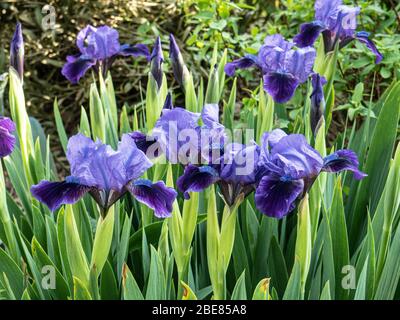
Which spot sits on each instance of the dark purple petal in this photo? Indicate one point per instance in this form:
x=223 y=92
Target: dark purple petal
x=296 y=157
x=343 y=160
x=156 y=196
x=242 y=63
x=196 y=179
x=55 y=194
x=17 y=51
x=76 y=67
x=309 y=33
x=275 y=197
x=157 y=59
x=181 y=72
x=364 y=38
x=85 y=40
x=7 y=139
x=281 y=86
x=317 y=100
x=147 y=144
x=300 y=63
x=138 y=50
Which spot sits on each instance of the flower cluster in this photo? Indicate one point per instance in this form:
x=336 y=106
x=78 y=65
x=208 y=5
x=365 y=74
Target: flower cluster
x=283 y=68
x=279 y=171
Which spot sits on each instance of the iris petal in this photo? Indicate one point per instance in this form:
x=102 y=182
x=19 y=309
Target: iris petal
x=196 y=179
x=76 y=67
x=242 y=63
x=138 y=50
x=281 y=86
x=275 y=197
x=343 y=160
x=147 y=144
x=157 y=196
x=55 y=194
x=309 y=33
x=298 y=158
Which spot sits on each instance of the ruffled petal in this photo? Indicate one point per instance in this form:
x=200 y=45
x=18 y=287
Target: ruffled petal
x=300 y=63
x=55 y=194
x=309 y=33
x=106 y=41
x=281 y=86
x=196 y=179
x=85 y=41
x=76 y=67
x=239 y=164
x=242 y=63
x=363 y=37
x=156 y=196
x=276 y=197
x=298 y=159
x=343 y=160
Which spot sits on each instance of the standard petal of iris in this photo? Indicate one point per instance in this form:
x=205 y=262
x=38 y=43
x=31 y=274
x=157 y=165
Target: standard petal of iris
x=76 y=67
x=106 y=42
x=196 y=179
x=309 y=33
x=275 y=197
x=55 y=194
x=364 y=38
x=300 y=63
x=281 y=86
x=298 y=158
x=157 y=196
x=343 y=160
x=242 y=63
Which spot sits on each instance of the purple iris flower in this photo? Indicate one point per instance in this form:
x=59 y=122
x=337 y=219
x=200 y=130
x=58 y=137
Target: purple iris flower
x=107 y=175
x=183 y=140
x=337 y=23
x=7 y=139
x=98 y=48
x=288 y=167
x=282 y=67
x=234 y=172
x=17 y=51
